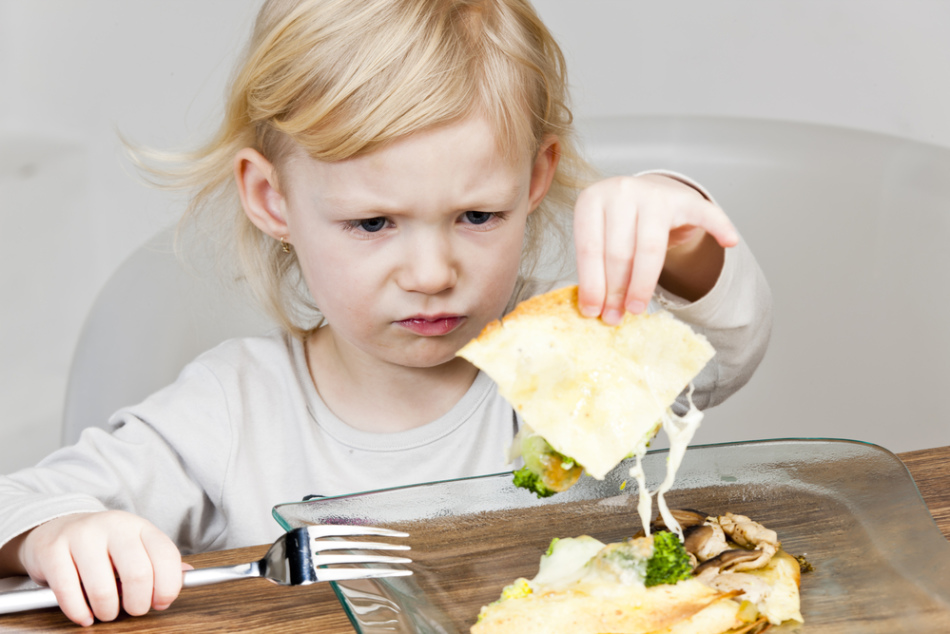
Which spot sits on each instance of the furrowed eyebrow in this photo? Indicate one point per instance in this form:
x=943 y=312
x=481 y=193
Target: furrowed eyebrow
x=491 y=198
x=353 y=208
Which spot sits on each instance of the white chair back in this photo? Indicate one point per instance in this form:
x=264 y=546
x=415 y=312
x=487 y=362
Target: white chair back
x=153 y=316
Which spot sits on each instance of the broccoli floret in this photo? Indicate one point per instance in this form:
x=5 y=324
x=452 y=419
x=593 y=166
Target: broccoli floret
x=669 y=562
x=528 y=479
x=546 y=470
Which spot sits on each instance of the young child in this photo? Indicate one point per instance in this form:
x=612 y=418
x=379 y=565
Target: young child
x=396 y=163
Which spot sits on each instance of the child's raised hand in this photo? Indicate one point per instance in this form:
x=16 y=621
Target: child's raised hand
x=98 y=554
x=629 y=230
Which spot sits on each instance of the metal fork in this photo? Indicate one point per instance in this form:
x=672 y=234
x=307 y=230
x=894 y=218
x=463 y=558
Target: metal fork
x=293 y=560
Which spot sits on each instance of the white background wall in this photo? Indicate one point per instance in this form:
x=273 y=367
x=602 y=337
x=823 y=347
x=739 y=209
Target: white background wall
x=73 y=73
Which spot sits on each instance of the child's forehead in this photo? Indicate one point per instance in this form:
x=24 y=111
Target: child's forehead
x=460 y=161
x=463 y=135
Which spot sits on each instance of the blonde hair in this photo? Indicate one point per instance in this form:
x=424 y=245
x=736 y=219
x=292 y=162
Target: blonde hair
x=341 y=78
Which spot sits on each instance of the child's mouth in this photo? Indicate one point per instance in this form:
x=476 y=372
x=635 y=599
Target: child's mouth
x=432 y=326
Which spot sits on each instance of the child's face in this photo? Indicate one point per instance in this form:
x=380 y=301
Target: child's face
x=411 y=250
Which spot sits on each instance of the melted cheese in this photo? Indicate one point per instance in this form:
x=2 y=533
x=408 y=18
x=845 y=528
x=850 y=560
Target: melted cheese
x=644 y=503
x=680 y=430
x=565 y=565
x=783 y=576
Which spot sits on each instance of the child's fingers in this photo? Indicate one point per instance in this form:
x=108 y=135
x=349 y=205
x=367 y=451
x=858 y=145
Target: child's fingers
x=98 y=578
x=589 y=250
x=62 y=577
x=620 y=239
x=648 y=258
x=134 y=570
x=624 y=228
x=719 y=226
x=711 y=219
x=166 y=565
x=95 y=561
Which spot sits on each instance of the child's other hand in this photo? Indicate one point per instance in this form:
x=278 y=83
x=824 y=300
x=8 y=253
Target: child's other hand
x=99 y=554
x=630 y=232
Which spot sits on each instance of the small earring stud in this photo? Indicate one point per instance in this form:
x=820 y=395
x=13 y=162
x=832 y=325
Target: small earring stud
x=284 y=246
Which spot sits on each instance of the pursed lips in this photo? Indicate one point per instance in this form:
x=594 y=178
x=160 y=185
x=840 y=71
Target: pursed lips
x=432 y=325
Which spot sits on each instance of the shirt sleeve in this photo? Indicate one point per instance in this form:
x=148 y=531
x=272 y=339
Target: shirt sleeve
x=136 y=468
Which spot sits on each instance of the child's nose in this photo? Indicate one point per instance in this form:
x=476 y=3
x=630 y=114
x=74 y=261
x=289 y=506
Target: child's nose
x=429 y=266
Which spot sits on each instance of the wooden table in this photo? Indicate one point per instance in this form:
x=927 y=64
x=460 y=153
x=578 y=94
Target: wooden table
x=261 y=606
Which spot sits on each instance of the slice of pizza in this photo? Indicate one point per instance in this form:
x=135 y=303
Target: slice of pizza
x=731 y=577
x=593 y=393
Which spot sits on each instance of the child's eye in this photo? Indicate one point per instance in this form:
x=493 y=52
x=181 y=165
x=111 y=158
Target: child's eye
x=371 y=225
x=478 y=217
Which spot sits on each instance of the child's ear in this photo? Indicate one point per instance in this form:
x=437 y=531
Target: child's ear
x=543 y=170
x=263 y=203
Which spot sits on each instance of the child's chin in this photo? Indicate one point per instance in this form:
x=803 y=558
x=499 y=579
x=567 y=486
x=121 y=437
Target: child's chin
x=437 y=357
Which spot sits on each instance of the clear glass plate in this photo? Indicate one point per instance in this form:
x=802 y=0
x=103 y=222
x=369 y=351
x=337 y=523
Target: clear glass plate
x=881 y=563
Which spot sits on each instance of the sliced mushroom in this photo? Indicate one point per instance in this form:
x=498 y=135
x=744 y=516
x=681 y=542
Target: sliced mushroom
x=695 y=537
x=747 y=533
x=729 y=560
x=684 y=517
x=705 y=541
x=765 y=556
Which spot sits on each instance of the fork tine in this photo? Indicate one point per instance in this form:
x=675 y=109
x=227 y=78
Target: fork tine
x=343 y=530
x=318 y=546
x=329 y=560
x=316 y=569
x=343 y=574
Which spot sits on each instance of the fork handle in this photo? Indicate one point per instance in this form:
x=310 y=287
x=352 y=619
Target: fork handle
x=220 y=574
x=42 y=597
x=29 y=599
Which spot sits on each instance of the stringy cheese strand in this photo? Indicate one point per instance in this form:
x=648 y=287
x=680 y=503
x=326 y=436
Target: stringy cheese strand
x=680 y=430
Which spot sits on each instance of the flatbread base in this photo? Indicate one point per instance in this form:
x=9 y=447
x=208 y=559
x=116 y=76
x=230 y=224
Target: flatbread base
x=587 y=609
x=595 y=392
